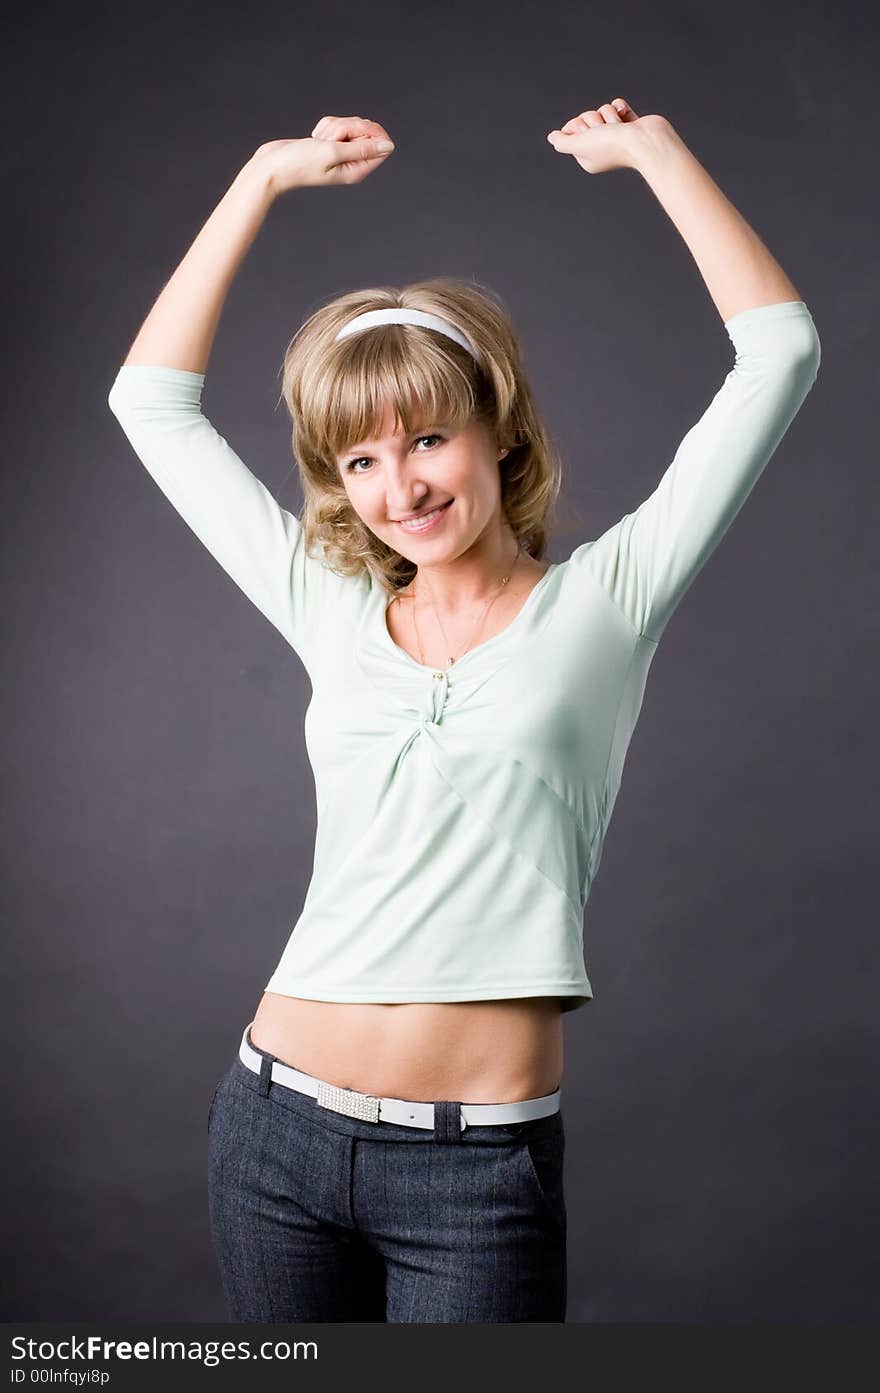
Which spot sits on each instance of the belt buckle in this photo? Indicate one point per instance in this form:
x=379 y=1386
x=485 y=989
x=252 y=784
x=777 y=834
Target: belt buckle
x=348 y=1101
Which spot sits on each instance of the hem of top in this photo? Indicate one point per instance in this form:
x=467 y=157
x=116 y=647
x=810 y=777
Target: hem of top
x=159 y=368
x=781 y=309
x=304 y=993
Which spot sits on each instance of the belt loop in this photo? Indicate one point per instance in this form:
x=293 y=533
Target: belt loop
x=266 y=1062
x=447 y=1121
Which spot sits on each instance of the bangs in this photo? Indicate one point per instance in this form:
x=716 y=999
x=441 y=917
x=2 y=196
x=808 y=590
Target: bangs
x=408 y=380
x=372 y=373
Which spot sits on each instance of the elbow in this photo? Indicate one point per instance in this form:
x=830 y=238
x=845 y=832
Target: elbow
x=162 y=395
x=815 y=355
x=809 y=357
x=797 y=361
x=117 y=396
x=805 y=347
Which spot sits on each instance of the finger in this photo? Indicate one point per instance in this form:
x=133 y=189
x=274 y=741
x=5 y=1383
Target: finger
x=580 y=123
x=347 y=128
x=371 y=127
x=610 y=115
x=367 y=147
x=624 y=109
x=335 y=127
x=350 y=127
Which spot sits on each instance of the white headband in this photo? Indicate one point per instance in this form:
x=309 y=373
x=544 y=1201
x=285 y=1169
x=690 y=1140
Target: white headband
x=402 y=316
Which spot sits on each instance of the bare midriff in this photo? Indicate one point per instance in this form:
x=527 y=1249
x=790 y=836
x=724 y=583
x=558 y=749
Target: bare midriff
x=465 y=1051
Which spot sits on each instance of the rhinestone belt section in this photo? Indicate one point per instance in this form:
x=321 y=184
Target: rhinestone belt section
x=348 y=1101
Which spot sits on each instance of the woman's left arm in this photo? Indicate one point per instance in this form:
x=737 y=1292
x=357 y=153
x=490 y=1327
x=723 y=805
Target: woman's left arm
x=739 y=271
x=648 y=559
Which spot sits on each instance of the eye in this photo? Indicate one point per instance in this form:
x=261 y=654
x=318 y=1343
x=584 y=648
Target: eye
x=364 y=459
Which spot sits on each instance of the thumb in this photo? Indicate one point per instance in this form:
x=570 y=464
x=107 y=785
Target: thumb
x=368 y=147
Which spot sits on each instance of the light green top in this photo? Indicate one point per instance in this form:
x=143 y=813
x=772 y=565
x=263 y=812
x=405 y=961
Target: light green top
x=461 y=813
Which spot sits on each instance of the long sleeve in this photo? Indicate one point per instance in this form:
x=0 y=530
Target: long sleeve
x=256 y=541
x=648 y=559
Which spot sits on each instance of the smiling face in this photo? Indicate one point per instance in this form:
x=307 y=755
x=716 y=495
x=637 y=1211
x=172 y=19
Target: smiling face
x=396 y=475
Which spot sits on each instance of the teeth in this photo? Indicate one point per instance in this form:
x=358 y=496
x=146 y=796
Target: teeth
x=416 y=523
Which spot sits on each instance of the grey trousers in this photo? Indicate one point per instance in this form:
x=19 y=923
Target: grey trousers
x=317 y=1216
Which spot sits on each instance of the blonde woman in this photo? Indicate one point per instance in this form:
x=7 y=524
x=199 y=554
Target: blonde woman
x=387 y=1142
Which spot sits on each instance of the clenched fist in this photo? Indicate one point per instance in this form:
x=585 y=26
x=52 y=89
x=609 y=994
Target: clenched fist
x=604 y=139
x=340 y=150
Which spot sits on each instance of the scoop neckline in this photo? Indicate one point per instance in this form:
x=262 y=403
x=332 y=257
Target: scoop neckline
x=478 y=648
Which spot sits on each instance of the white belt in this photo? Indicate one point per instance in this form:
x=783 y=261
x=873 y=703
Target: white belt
x=369 y=1108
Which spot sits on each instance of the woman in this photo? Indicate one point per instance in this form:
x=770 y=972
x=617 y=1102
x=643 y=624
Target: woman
x=387 y=1143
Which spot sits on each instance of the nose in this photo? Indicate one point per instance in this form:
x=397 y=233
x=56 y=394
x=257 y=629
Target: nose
x=403 y=493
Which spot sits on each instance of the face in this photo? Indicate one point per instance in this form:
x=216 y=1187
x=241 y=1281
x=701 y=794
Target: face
x=390 y=478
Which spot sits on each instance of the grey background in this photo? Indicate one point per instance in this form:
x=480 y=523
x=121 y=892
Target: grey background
x=720 y=1090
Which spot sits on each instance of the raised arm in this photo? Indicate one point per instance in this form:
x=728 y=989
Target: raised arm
x=648 y=559
x=156 y=396
x=739 y=271
x=180 y=328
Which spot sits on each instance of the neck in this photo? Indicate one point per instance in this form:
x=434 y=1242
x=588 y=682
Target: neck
x=458 y=586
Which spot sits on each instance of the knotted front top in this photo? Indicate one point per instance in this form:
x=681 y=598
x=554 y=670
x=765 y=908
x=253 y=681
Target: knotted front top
x=461 y=813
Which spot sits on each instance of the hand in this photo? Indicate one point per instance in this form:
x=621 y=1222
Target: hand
x=340 y=150
x=604 y=139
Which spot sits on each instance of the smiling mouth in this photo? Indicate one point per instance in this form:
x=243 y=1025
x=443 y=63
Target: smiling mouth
x=424 y=520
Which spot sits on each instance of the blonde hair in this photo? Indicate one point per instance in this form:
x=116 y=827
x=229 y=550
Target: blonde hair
x=336 y=394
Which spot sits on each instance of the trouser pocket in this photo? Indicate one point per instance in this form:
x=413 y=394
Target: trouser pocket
x=542 y=1161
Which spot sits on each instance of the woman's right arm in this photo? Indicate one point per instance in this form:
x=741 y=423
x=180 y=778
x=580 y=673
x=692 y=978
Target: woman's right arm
x=156 y=396
x=180 y=328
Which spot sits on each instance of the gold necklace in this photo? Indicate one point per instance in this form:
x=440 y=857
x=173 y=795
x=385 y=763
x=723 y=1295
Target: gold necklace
x=489 y=603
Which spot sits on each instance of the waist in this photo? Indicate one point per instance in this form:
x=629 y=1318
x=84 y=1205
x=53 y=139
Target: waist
x=473 y=1051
